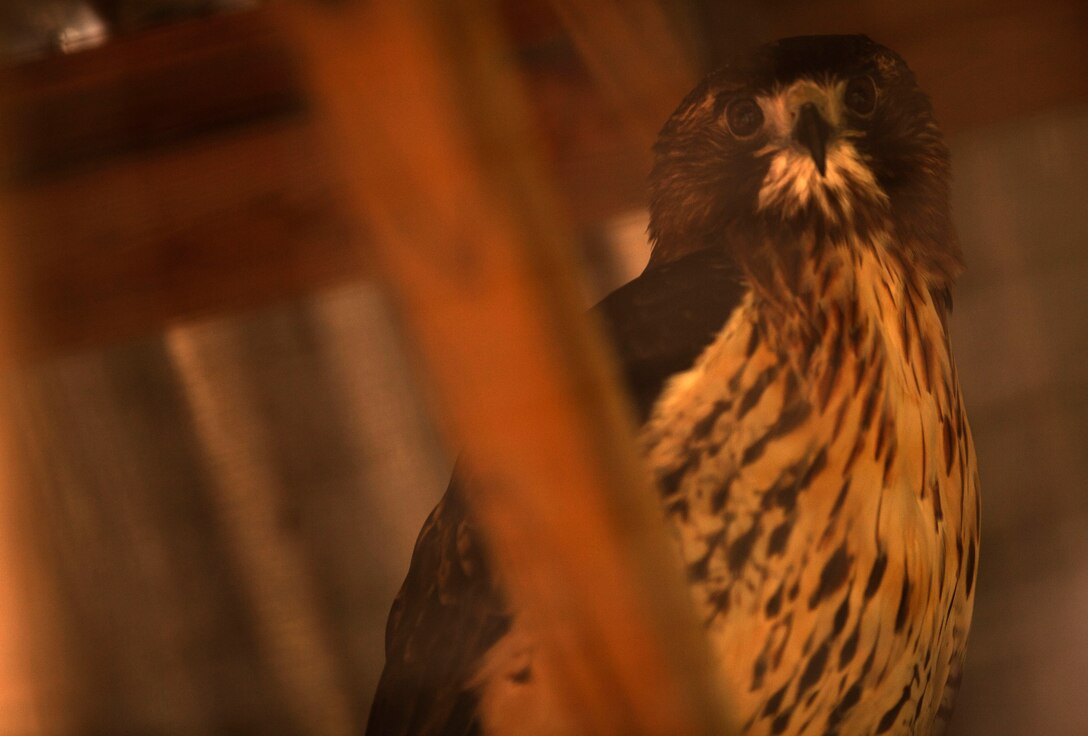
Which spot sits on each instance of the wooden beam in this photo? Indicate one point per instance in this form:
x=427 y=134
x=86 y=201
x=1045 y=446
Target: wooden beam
x=429 y=123
x=639 y=61
x=129 y=248
x=642 y=63
x=34 y=676
x=164 y=177
x=161 y=87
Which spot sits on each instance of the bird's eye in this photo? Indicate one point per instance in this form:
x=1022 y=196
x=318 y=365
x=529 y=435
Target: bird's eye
x=744 y=117
x=860 y=95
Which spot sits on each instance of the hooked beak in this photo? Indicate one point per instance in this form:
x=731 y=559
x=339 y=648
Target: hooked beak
x=812 y=132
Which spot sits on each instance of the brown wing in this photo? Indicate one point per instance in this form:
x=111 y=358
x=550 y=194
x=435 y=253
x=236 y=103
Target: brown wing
x=447 y=614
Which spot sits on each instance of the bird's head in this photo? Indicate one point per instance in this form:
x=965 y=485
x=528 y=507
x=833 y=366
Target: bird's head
x=812 y=139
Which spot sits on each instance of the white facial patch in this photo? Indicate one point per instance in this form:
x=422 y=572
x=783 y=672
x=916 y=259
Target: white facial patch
x=792 y=181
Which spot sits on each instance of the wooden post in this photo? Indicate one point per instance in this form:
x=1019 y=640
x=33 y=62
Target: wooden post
x=33 y=677
x=429 y=125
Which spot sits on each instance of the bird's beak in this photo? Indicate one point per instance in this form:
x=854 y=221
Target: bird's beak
x=812 y=132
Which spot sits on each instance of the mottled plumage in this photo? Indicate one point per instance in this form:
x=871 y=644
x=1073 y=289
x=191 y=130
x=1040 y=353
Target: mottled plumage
x=788 y=352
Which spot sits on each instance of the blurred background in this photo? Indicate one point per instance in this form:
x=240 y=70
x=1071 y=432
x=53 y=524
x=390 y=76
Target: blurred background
x=219 y=429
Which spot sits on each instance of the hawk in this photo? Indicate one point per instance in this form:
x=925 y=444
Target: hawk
x=788 y=354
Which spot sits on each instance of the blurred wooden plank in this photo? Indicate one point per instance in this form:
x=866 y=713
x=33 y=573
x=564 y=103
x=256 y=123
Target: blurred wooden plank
x=643 y=64
x=34 y=677
x=249 y=503
x=129 y=248
x=161 y=87
x=164 y=176
x=638 y=65
x=429 y=123
x=586 y=144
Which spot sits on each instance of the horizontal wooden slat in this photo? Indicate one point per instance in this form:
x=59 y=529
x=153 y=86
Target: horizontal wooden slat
x=131 y=247
x=164 y=176
x=160 y=87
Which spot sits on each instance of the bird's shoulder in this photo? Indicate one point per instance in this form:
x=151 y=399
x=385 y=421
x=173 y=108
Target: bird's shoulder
x=660 y=322
x=448 y=613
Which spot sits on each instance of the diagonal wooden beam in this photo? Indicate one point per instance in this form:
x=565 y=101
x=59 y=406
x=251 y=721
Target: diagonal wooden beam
x=639 y=56
x=429 y=125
